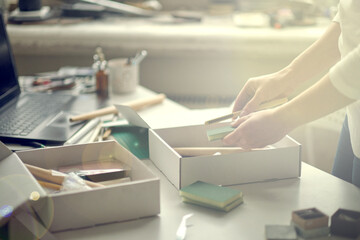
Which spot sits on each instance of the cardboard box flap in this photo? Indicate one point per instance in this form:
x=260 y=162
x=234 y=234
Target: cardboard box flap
x=4 y=151
x=131 y=116
x=17 y=185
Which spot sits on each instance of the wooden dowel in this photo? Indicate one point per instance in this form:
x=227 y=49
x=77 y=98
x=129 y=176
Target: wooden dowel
x=94 y=114
x=49 y=185
x=202 y=151
x=144 y=102
x=106 y=133
x=48 y=175
x=45 y=174
x=136 y=105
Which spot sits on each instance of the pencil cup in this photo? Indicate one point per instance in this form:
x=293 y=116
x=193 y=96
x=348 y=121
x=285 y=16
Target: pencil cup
x=124 y=76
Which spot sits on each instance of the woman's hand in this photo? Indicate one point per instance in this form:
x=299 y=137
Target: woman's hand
x=257 y=130
x=263 y=89
x=262 y=128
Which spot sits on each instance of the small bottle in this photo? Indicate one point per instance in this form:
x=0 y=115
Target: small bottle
x=101 y=75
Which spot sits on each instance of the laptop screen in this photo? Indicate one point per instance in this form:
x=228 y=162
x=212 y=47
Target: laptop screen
x=9 y=85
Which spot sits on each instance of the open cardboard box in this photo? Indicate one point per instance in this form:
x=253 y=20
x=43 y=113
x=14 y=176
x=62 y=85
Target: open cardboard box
x=20 y=191
x=280 y=161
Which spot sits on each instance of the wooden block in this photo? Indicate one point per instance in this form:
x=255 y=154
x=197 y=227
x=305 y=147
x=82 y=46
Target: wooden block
x=311 y=233
x=345 y=223
x=310 y=218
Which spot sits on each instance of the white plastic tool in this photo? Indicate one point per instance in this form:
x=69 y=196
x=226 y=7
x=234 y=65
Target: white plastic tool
x=181 y=231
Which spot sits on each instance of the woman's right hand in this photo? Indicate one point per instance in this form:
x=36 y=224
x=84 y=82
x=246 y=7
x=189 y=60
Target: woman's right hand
x=262 y=89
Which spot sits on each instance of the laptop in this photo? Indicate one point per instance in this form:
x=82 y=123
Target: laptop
x=32 y=117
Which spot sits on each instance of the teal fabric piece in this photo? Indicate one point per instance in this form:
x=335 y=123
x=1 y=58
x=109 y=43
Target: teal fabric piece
x=133 y=138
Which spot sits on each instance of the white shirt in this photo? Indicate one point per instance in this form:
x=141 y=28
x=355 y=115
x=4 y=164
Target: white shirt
x=345 y=75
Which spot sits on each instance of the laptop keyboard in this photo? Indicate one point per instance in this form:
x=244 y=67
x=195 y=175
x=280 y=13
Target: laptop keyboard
x=25 y=118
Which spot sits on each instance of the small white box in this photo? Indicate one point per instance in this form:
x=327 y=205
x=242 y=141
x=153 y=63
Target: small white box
x=76 y=209
x=280 y=162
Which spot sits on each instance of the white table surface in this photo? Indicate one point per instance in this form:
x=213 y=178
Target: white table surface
x=264 y=202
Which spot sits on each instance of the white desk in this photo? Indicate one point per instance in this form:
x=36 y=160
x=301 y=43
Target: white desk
x=265 y=203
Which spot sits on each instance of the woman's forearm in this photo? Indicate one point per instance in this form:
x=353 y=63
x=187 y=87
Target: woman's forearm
x=317 y=101
x=318 y=58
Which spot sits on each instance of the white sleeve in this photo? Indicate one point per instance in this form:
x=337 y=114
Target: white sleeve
x=345 y=75
x=337 y=16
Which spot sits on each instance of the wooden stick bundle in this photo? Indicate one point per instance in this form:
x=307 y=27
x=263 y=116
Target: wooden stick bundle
x=54 y=176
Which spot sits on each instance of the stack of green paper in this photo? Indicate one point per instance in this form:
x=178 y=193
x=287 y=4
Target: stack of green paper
x=211 y=196
x=219 y=133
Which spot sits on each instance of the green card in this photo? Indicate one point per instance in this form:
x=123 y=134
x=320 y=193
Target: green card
x=210 y=194
x=219 y=133
x=133 y=138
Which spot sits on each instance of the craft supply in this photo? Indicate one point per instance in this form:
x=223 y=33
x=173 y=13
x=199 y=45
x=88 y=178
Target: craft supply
x=95 y=134
x=49 y=185
x=311 y=233
x=83 y=131
x=181 y=231
x=210 y=194
x=280 y=232
x=263 y=106
x=101 y=75
x=145 y=102
x=104 y=172
x=123 y=75
x=219 y=133
x=138 y=58
x=116 y=181
x=99 y=175
x=106 y=134
x=227 y=208
x=345 y=223
x=53 y=176
x=102 y=84
x=73 y=182
x=94 y=165
x=310 y=218
x=133 y=138
x=136 y=105
x=203 y=151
